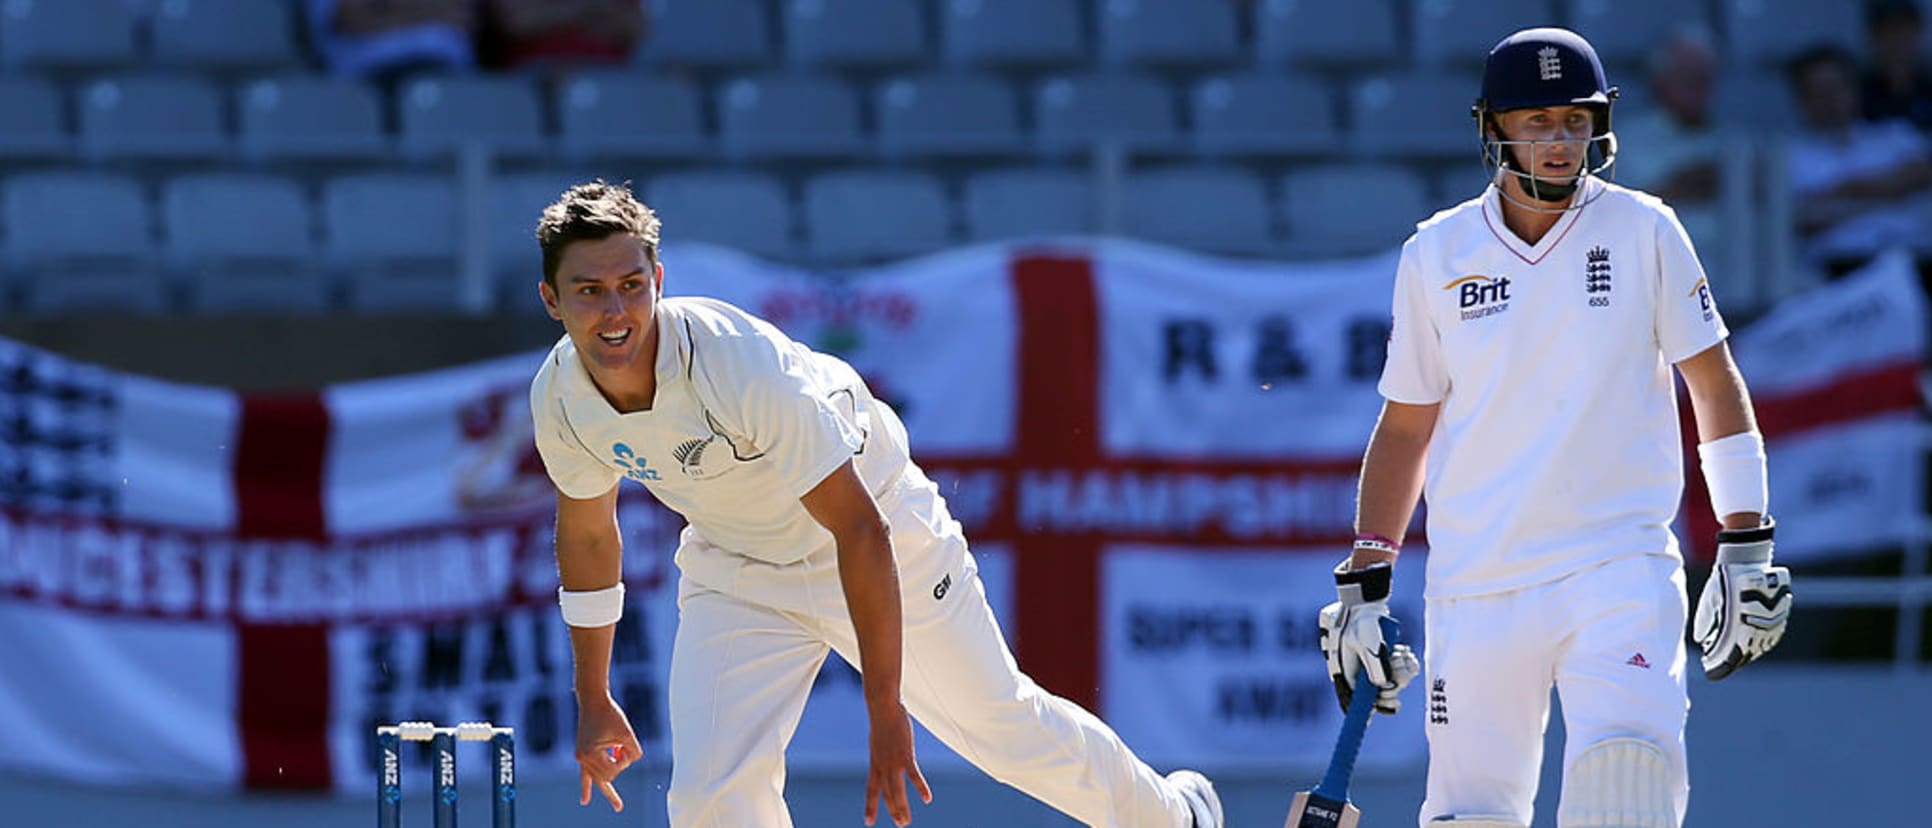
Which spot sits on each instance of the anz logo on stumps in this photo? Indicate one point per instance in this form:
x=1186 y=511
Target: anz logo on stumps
x=1478 y=296
x=635 y=467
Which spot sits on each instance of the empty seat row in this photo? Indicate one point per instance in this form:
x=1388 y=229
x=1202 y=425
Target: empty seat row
x=1052 y=33
x=773 y=116
x=778 y=116
x=230 y=34
x=375 y=241
x=216 y=35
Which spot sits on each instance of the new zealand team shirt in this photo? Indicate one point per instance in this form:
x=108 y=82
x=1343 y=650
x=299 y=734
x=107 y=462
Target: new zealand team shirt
x=744 y=423
x=1557 y=444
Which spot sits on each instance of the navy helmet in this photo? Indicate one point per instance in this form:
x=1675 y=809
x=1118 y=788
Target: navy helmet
x=1542 y=67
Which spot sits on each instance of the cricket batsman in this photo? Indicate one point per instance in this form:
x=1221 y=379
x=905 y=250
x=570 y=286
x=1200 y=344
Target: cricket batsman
x=1529 y=397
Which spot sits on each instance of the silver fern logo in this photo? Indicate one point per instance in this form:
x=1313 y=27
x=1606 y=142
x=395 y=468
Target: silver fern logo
x=690 y=455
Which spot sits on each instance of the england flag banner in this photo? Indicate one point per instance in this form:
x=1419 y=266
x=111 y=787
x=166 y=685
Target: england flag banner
x=1153 y=454
x=1834 y=376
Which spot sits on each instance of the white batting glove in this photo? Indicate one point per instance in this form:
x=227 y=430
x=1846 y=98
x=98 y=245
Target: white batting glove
x=1352 y=640
x=1742 y=611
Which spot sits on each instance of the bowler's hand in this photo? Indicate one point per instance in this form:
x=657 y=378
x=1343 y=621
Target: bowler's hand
x=892 y=761
x=605 y=747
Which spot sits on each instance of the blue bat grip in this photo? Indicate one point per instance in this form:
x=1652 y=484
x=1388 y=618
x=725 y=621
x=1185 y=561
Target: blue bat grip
x=1341 y=766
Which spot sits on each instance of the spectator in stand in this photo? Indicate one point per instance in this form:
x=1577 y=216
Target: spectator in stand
x=562 y=34
x=1897 y=85
x=1858 y=187
x=387 y=40
x=1674 y=149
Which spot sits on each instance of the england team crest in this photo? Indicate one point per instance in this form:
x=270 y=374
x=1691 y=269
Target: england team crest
x=1596 y=276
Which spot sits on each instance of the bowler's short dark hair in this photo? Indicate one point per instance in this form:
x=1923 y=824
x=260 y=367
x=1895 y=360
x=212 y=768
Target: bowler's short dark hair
x=591 y=212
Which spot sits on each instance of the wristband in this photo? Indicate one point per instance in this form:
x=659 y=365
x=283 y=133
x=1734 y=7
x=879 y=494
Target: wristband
x=592 y=608
x=1734 y=472
x=1377 y=543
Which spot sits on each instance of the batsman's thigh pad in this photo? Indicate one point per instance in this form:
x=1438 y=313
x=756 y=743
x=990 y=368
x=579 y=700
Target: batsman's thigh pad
x=1619 y=783
x=1622 y=675
x=1475 y=822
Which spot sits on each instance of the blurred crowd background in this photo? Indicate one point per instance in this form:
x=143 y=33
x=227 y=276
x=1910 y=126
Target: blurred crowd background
x=283 y=193
x=208 y=156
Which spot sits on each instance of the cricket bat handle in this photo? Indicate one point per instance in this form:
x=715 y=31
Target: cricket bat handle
x=1341 y=766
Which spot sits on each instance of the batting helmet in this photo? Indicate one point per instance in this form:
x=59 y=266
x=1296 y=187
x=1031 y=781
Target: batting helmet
x=1537 y=68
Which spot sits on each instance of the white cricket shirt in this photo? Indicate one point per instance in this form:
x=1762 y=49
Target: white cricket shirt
x=1558 y=445
x=744 y=423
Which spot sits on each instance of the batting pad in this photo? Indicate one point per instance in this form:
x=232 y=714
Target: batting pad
x=1618 y=783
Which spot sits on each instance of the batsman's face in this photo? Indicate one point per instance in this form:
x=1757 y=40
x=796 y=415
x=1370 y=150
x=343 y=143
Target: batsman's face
x=1561 y=135
x=606 y=297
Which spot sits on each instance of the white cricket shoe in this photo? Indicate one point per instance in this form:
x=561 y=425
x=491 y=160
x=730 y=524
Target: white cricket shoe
x=1201 y=799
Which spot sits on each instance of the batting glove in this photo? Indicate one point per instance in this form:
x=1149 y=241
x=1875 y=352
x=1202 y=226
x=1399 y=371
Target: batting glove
x=1742 y=611
x=1352 y=642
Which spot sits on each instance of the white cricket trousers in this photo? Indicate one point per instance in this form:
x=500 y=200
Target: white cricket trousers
x=752 y=635
x=1610 y=639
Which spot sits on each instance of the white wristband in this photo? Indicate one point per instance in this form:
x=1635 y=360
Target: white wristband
x=592 y=608
x=1734 y=472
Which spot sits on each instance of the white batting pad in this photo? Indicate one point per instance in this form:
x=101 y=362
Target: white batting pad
x=1618 y=783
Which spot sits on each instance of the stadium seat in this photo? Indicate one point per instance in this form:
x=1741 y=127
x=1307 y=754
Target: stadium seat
x=310 y=118
x=1624 y=31
x=1167 y=33
x=155 y=118
x=516 y=202
x=243 y=241
x=224 y=35
x=1351 y=209
x=1029 y=202
x=1212 y=209
x=1763 y=33
x=1015 y=34
x=1454 y=183
x=81 y=240
x=708 y=34
x=1073 y=113
x=1262 y=114
x=948 y=115
x=67 y=35
x=35 y=126
x=862 y=216
x=746 y=210
x=442 y=114
x=1460 y=33
x=630 y=115
x=1417 y=115
x=854 y=33
x=394 y=236
x=1357 y=33
x=797 y=116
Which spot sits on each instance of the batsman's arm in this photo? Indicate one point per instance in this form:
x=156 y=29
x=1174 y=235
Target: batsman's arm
x=590 y=556
x=1722 y=406
x=1392 y=475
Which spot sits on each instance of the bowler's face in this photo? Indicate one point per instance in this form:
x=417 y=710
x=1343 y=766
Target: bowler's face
x=606 y=297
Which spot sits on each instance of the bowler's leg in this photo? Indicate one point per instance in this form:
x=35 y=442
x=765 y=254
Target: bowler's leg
x=740 y=674
x=962 y=683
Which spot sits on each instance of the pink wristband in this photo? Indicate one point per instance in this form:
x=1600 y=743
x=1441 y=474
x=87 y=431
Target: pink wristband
x=1378 y=543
